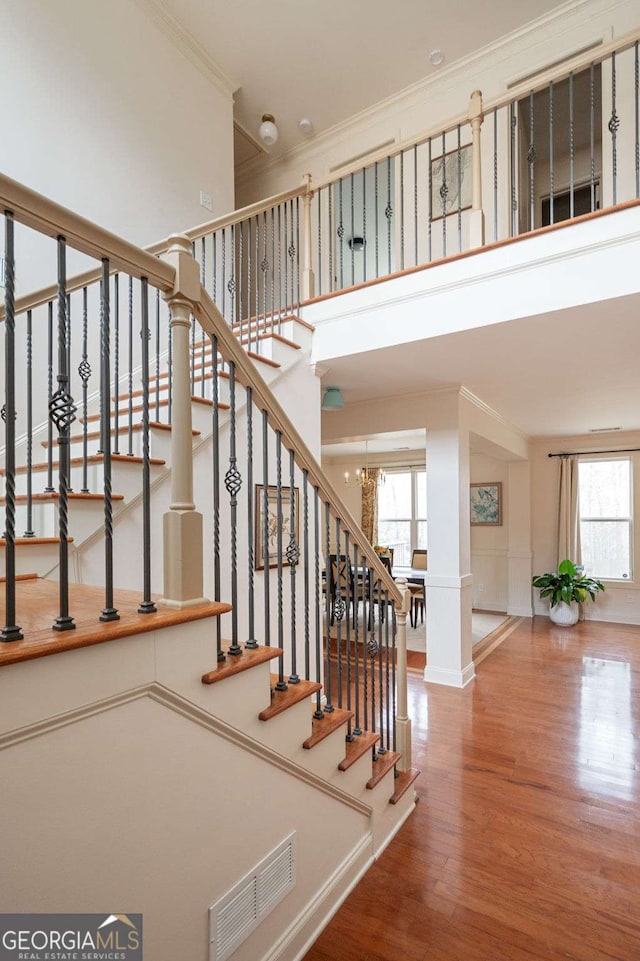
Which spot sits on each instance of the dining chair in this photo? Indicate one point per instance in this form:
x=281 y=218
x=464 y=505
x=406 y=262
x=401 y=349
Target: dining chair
x=418 y=598
x=419 y=559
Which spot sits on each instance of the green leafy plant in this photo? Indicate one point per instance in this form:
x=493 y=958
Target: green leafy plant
x=569 y=583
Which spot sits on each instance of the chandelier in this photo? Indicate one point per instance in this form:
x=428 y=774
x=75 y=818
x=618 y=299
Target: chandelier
x=366 y=477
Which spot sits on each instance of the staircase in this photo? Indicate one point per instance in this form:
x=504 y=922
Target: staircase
x=201 y=731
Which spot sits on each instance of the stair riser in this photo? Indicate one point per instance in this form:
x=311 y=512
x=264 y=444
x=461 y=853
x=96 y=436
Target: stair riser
x=84 y=518
x=32 y=559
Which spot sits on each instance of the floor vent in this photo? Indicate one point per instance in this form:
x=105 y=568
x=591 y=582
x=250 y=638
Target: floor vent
x=240 y=911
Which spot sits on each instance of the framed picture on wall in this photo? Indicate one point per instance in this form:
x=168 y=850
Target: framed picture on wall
x=451 y=182
x=269 y=557
x=486 y=505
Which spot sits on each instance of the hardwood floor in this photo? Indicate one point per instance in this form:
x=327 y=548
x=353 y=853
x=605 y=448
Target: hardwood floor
x=525 y=843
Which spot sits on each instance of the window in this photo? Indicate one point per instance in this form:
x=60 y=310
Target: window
x=606 y=517
x=402 y=513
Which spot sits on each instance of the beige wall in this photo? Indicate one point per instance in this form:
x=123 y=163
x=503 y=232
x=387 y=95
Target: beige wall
x=490 y=545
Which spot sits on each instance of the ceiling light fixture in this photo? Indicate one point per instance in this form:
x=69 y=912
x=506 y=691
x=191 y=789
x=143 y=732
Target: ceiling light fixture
x=268 y=130
x=305 y=125
x=436 y=57
x=366 y=476
x=332 y=399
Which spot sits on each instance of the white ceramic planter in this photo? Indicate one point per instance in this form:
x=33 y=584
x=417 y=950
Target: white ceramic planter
x=564 y=615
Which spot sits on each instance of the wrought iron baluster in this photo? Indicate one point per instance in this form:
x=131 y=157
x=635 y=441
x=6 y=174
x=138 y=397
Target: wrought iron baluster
x=495 y=174
x=130 y=427
x=393 y=680
x=415 y=204
x=375 y=193
x=109 y=612
x=388 y=212
x=429 y=201
x=444 y=193
x=257 y=285
x=49 y=488
x=233 y=483
x=279 y=248
x=351 y=244
x=116 y=363
x=531 y=159
x=372 y=650
x=157 y=373
x=318 y=619
x=359 y=580
x=459 y=185
x=319 y=196
x=286 y=261
x=29 y=532
x=367 y=619
x=389 y=617
x=512 y=167
x=214 y=267
x=340 y=606
x=265 y=528
x=592 y=128
x=146 y=606
x=264 y=266
x=249 y=290
x=224 y=271
x=216 y=476
x=613 y=127
x=382 y=613
x=332 y=279
x=251 y=643
x=305 y=551
x=340 y=233
x=331 y=589
x=203 y=338
x=293 y=558
x=170 y=367
x=281 y=685
x=352 y=598
x=571 y=149
x=11 y=631
x=85 y=373
x=239 y=318
x=63 y=412
x=364 y=223
x=551 y=155
x=297 y=300
x=402 y=210
x=232 y=280
x=273 y=269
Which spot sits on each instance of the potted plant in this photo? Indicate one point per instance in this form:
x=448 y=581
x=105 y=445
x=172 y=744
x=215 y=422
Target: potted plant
x=566 y=589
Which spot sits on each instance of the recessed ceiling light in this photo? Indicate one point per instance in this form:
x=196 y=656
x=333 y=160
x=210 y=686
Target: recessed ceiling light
x=305 y=125
x=436 y=57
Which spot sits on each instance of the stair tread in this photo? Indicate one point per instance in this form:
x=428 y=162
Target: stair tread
x=91 y=459
x=37 y=605
x=244 y=339
x=235 y=664
x=402 y=783
x=136 y=428
x=124 y=411
x=323 y=726
x=356 y=748
x=54 y=496
x=381 y=766
x=259 y=321
x=281 y=700
x=32 y=541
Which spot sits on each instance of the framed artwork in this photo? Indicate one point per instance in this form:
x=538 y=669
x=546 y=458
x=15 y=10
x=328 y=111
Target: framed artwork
x=451 y=183
x=269 y=557
x=486 y=505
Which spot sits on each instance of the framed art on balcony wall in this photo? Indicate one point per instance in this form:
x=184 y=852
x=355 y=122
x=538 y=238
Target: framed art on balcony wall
x=486 y=505
x=451 y=182
x=271 y=552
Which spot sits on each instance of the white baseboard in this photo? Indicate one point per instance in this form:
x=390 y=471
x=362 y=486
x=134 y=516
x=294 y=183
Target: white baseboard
x=444 y=675
x=300 y=935
x=520 y=612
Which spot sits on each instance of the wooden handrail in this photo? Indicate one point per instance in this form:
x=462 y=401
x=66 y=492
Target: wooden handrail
x=214 y=324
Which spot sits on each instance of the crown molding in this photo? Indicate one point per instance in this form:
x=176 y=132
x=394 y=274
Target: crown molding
x=486 y=409
x=187 y=44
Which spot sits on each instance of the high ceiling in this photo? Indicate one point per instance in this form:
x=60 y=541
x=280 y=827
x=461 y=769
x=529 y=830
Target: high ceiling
x=328 y=61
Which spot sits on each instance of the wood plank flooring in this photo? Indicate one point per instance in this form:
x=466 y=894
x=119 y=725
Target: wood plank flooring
x=525 y=843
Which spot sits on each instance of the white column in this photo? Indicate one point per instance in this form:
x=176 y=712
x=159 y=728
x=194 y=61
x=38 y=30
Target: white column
x=520 y=599
x=403 y=721
x=476 y=217
x=448 y=581
x=308 y=279
x=182 y=524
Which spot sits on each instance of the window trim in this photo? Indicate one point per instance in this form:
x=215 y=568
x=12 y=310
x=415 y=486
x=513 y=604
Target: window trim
x=414 y=520
x=628 y=519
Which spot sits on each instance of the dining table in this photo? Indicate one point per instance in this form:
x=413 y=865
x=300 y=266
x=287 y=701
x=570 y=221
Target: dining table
x=414 y=575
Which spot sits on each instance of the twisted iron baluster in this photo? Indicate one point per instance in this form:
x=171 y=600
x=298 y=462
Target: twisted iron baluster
x=49 y=488
x=340 y=606
x=63 y=413
x=318 y=582
x=10 y=631
x=531 y=159
x=252 y=643
x=146 y=606
x=390 y=615
x=381 y=614
x=85 y=373
x=265 y=528
x=551 y=154
x=571 y=148
x=495 y=174
x=281 y=685
x=116 y=363
x=330 y=587
x=216 y=490
x=305 y=549
x=130 y=314
x=444 y=192
x=592 y=164
x=157 y=373
x=388 y=212
x=29 y=532
x=429 y=200
x=293 y=557
x=459 y=165
x=109 y=612
x=614 y=126
x=233 y=483
x=352 y=597
x=360 y=587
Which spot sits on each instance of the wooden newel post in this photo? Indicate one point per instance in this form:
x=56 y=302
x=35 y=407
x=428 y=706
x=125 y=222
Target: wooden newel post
x=476 y=217
x=403 y=721
x=182 y=527
x=308 y=279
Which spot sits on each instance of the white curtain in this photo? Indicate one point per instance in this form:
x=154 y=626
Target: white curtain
x=569 y=512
